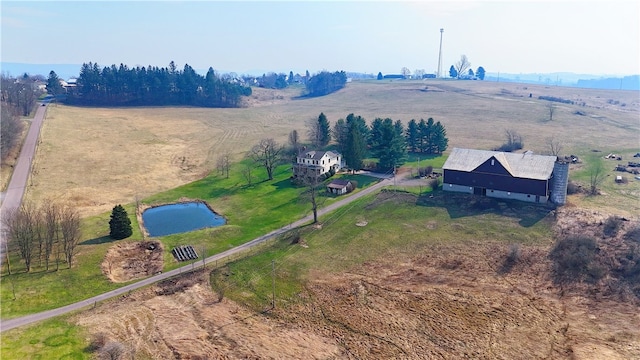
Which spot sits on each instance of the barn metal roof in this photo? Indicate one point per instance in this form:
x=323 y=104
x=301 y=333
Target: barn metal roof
x=525 y=165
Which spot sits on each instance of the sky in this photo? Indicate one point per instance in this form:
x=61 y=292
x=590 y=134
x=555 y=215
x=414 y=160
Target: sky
x=582 y=37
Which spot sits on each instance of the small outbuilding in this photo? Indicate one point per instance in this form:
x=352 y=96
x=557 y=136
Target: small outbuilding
x=339 y=186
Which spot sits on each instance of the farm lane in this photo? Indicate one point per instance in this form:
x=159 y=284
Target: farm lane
x=123 y=291
x=12 y=197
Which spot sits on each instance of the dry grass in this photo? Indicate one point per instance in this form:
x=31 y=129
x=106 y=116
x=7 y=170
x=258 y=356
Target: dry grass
x=410 y=306
x=97 y=157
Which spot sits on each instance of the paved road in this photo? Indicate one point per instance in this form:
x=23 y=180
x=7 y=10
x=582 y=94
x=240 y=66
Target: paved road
x=12 y=197
x=25 y=320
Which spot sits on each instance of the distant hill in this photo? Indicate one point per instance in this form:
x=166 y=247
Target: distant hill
x=611 y=82
x=625 y=83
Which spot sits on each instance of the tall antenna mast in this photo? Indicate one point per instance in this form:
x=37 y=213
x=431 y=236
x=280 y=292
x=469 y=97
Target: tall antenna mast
x=440 y=56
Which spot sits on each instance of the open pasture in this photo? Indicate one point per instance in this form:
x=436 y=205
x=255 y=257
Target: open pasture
x=98 y=157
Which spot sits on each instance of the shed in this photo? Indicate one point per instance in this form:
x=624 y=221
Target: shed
x=339 y=186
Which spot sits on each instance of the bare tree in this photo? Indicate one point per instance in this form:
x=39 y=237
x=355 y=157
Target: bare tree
x=224 y=163
x=551 y=107
x=513 y=140
x=314 y=132
x=418 y=73
x=10 y=130
x=596 y=177
x=112 y=351
x=247 y=173
x=70 y=229
x=554 y=146
x=20 y=229
x=462 y=65
x=268 y=154
x=312 y=183
x=294 y=141
x=405 y=72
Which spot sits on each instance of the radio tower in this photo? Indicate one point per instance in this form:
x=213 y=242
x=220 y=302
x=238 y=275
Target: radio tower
x=440 y=56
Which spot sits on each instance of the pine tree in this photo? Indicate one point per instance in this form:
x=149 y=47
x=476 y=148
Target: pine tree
x=119 y=225
x=440 y=140
x=324 y=129
x=53 y=84
x=413 y=135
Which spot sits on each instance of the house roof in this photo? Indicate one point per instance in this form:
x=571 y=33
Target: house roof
x=319 y=154
x=338 y=183
x=525 y=165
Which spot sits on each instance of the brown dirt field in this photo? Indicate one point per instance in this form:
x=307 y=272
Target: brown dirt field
x=132 y=260
x=450 y=302
x=97 y=157
x=192 y=324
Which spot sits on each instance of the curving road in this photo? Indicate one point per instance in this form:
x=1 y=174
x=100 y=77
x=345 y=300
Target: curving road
x=25 y=320
x=12 y=197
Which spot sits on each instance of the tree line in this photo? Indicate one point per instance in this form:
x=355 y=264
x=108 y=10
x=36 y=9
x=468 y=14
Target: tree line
x=50 y=232
x=325 y=83
x=140 y=86
x=462 y=69
x=18 y=97
x=386 y=140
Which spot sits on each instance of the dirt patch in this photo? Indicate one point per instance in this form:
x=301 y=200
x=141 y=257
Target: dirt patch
x=448 y=302
x=132 y=260
x=192 y=324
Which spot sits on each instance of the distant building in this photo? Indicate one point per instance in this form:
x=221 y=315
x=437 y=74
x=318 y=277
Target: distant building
x=525 y=177
x=316 y=163
x=394 y=76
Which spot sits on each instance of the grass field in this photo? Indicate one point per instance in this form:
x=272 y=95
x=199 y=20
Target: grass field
x=98 y=157
x=398 y=225
x=251 y=211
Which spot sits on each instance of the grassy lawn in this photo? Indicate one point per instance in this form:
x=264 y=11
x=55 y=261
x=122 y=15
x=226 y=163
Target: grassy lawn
x=51 y=339
x=626 y=195
x=251 y=211
x=399 y=225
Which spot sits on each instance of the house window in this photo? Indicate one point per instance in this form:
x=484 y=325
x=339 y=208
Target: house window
x=508 y=192
x=492 y=162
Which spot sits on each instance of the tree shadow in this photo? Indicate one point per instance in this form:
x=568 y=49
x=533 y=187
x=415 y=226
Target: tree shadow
x=466 y=205
x=98 y=240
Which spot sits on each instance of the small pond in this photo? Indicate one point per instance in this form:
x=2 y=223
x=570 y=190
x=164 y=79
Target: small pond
x=179 y=218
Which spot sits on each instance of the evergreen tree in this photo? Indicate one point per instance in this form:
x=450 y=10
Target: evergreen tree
x=423 y=136
x=428 y=137
x=340 y=133
x=290 y=77
x=453 y=72
x=480 y=73
x=380 y=77
x=53 y=84
x=120 y=224
x=356 y=147
x=387 y=143
x=440 y=141
x=324 y=129
x=413 y=135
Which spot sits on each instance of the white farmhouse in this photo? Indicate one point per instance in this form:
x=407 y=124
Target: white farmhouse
x=316 y=163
